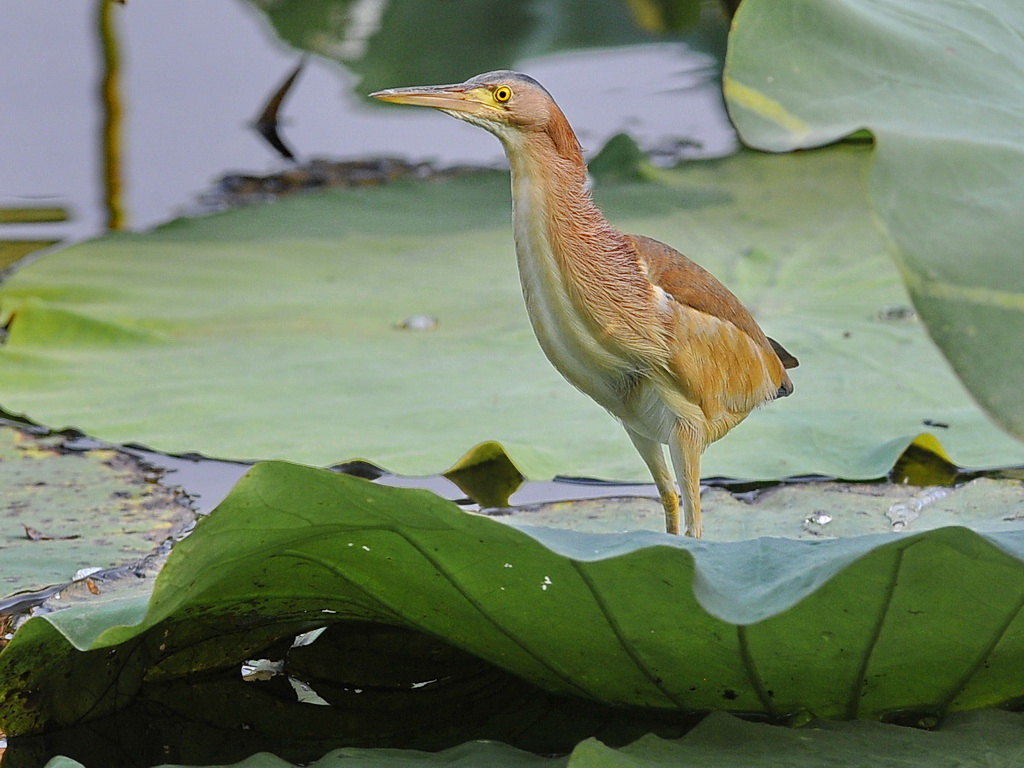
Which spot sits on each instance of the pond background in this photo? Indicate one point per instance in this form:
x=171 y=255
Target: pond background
x=195 y=73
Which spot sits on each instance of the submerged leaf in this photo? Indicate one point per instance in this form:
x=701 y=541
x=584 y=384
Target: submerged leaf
x=13 y=251
x=68 y=510
x=487 y=475
x=805 y=510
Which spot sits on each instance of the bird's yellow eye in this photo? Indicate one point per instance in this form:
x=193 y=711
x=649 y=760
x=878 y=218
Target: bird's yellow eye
x=502 y=94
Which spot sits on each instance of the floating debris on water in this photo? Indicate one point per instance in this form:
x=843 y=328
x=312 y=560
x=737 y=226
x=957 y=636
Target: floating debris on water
x=815 y=523
x=261 y=669
x=419 y=323
x=819 y=518
x=239 y=189
x=897 y=313
x=903 y=513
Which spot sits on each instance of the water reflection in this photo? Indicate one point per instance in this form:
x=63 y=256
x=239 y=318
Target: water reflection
x=196 y=72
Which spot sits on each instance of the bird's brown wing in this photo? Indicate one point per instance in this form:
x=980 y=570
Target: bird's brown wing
x=692 y=285
x=726 y=388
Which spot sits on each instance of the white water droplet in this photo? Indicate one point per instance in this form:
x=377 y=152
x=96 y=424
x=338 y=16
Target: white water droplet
x=903 y=513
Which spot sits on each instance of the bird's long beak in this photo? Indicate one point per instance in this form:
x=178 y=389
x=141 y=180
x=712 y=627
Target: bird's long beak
x=451 y=98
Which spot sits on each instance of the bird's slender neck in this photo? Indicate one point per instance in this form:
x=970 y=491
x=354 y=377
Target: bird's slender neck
x=571 y=260
x=551 y=204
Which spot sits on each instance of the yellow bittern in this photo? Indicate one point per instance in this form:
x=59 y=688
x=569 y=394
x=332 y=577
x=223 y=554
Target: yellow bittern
x=647 y=333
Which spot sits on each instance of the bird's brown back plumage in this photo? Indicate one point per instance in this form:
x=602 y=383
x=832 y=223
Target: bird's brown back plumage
x=690 y=284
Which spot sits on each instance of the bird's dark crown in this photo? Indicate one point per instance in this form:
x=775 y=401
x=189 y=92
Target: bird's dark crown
x=506 y=76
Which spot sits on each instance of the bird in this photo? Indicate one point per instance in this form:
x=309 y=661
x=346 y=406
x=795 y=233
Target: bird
x=647 y=333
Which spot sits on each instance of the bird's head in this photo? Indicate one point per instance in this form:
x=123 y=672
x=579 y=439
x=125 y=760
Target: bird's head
x=509 y=104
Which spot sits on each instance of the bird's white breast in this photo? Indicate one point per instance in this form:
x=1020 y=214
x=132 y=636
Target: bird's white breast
x=562 y=328
x=554 y=313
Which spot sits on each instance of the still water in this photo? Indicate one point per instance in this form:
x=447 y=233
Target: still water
x=195 y=73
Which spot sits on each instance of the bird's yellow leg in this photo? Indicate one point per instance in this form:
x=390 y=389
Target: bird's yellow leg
x=685 y=447
x=653 y=454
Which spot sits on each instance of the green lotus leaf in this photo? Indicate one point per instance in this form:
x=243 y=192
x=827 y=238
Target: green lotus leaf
x=398 y=43
x=280 y=331
x=938 y=85
x=722 y=741
x=642 y=622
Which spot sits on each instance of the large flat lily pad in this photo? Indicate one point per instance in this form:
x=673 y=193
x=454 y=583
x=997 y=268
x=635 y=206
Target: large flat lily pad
x=277 y=331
